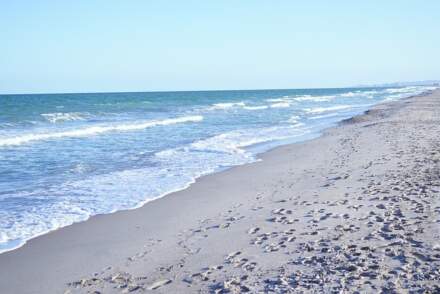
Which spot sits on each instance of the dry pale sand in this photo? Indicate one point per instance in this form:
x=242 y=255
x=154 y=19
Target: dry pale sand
x=357 y=209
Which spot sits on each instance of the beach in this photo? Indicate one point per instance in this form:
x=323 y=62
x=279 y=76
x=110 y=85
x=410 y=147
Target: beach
x=356 y=209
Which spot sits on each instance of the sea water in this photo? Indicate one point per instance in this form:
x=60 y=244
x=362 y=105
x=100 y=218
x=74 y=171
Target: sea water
x=66 y=157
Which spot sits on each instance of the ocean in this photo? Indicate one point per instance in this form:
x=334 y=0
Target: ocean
x=66 y=157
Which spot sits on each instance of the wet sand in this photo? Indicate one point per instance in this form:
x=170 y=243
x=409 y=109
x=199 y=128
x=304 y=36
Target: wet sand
x=357 y=209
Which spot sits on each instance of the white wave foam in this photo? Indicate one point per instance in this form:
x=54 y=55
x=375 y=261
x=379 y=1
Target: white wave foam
x=278 y=99
x=398 y=93
x=219 y=106
x=64 y=116
x=411 y=90
x=368 y=94
x=350 y=94
x=234 y=141
x=34 y=223
x=315 y=98
x=227 y=142
x=261 y=107
x=240 y=105
x=280 y=105
x=95 y=130
x=292 y=99
x=402 y=90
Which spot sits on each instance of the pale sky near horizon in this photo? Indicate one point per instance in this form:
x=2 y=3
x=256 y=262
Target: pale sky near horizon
x=100 y=46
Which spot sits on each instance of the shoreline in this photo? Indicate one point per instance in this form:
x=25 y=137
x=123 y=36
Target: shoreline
x=104 y=232
x=306 y=137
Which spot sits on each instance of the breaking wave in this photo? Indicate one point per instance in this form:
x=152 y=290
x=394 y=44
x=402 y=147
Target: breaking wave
x=95 y=130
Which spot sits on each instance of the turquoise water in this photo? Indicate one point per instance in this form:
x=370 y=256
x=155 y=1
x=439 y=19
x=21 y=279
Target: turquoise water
x=66 y=157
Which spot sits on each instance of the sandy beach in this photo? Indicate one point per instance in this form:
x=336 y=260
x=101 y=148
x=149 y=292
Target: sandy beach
x=356 y=209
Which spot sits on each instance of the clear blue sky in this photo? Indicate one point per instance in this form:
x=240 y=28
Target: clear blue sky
x=81 y=46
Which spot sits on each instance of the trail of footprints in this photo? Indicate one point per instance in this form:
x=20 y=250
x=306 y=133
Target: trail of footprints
x=397 y=215
x=390 y=256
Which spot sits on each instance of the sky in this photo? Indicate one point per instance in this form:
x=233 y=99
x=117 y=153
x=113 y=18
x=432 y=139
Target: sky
x=116 y=46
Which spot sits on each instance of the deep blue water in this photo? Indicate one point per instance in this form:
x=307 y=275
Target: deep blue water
x=65 y=157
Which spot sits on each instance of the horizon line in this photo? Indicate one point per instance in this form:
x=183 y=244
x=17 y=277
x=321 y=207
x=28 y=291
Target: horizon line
x=211 y=90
